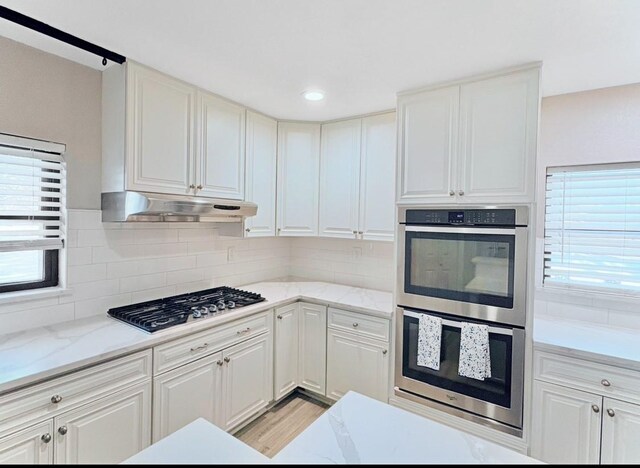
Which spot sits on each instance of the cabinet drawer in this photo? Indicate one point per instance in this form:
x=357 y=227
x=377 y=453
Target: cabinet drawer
x=73 y=389
x=175 y=353
x=589 y=376
x=364 y=325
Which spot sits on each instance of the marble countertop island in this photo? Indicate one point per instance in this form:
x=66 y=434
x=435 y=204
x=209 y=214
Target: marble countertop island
x=41 y=353
x=356 y=430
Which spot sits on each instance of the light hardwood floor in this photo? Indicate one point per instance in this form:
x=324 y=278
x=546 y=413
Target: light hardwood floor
x=281 y=424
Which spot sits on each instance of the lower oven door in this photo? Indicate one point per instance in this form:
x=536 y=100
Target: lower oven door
x=498 y=397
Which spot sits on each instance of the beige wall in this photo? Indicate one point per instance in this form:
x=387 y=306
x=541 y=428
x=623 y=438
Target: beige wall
x=47 y=97
x=591 y=127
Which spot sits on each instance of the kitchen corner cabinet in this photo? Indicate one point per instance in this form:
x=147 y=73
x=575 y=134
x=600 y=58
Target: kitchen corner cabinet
x=163 y=135
x=472 y=142
x=298 y=178
x=580 y=414
x=357 y=166
x=260 y=185
x=286 y=350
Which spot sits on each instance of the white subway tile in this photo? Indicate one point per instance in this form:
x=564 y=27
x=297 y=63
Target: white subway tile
x=34 y=318
x=196 y=235
x=185 y=276
x=85 y=219
x=86 y=273
x=184 y=288
x=26 y=305
x=164 y=250
x=142 y=282
x=152 y=294
x=155 y=236
x=211 y=259
x=91 y=290
x=79 y=256
x=71 y=239
x=100 y=306
x=102 y=237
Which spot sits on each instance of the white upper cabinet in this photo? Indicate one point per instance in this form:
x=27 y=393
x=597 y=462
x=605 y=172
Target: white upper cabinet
x=377 y=178
x=298 y=178
x=160 y=131
x=472 y=142
x=428 y=138
x=262 y=138
x=221 y=143
x=498 y=138
x=339 y=178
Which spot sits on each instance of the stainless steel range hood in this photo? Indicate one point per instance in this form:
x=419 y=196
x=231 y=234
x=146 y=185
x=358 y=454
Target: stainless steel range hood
x=131 y=206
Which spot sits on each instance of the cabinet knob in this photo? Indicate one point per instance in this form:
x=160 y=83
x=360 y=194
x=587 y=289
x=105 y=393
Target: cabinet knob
x=248 y=230
x=605 y=383
x=595 y=408
x=46 y=438
x=451 y=193
x=355 y=233
x=227 y=359
x=279 y=229
x=192 y=186
x=219 y=363
x=355 y=324
x=360 y=232
x=279 y=317
x=460 y=192
x=62 y=430
x=384 y=351
x=199 y=187
x=55 y=399
x=611 y=413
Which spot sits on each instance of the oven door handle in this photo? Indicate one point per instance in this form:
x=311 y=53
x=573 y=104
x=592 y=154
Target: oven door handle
x=461 y=230
x=451 y=323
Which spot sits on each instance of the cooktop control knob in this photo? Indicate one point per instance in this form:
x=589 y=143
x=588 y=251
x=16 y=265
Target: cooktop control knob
x=213 y=309
x=231 y=304
x=221 y=305
x=195 y=311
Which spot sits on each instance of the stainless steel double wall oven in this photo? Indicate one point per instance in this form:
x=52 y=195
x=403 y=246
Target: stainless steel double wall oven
x=464 y=264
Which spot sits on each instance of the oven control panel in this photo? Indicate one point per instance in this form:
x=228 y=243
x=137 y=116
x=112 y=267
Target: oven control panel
x=496 y=217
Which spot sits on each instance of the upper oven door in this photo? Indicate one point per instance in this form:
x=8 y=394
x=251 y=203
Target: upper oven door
x=472 y=272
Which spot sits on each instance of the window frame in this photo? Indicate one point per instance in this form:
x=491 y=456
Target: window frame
x=51 y=279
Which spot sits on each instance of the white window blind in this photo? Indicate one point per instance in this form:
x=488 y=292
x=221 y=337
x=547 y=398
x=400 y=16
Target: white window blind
x=32 y=202
x=592 y=227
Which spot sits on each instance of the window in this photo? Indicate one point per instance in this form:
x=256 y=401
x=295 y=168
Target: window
x=592 y=228
x=32 y=202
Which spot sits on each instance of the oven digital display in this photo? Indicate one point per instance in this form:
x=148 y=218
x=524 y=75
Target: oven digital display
x=456 y=217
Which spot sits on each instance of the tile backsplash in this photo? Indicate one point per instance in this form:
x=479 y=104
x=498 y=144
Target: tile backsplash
x=114 y=264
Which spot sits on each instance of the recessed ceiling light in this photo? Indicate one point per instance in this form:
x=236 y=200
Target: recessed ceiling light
x=314 y=95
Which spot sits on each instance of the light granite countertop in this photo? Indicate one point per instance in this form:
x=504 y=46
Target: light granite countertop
x=356 y=430
x=599 y=343
x=37 y=354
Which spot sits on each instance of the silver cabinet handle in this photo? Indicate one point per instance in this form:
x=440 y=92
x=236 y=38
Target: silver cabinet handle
x=46 y=438
x=452 y=193
x=242 y=332
x=248 y=230
x=227 y=359
x=460 y=192
x=55 y=399
x=384 y=351
x=595 y=408
x=192 y=186
x=360 y=232
x=611 y=413
x=355 y=324
x=199 y=187
x=62 y=430
x=198 y=348
x=219 y=363
x=605 y=383
x=279 y=317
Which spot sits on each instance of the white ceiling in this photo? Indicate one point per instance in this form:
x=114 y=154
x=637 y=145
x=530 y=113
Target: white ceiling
x=265 y=53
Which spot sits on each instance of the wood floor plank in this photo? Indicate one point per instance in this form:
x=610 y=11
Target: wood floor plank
x=272 y=431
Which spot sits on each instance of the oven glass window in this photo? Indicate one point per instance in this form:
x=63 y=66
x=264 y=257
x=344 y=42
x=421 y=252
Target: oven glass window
x=496 y=389
x=477 y=268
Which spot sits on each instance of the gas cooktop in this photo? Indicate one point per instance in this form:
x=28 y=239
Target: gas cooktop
x=152 y=316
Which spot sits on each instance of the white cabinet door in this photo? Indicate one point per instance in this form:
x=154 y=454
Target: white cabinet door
x=108 y=430
x=262 y=140
x=428 y=138
x=355 y=363
x=378 y=178
x=221 y=145
x=498 y=137
x=620 y=432
x=286 y=350
x=566 y=424
x=160 y=132
x=28 y=446
x=298 y=178
x=187 y=393
x=248 y=379
x=313 y=347
x=340 y=178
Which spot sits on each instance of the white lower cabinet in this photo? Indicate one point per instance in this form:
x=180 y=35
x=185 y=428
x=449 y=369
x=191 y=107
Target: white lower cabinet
x=578 y=416
x=185 y=394
x=107 y=431
x=312 y=360
x=286 y=350
x=356 y=363
x=247 y=380
x=30 y=446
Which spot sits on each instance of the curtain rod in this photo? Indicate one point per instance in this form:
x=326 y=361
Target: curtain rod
x=56 y=33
